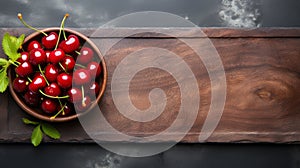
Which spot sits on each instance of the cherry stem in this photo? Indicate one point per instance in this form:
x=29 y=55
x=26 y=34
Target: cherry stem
x=63 y=106
x=64 y=33
x=60 y=29
x=29 y=79
x=54 y=97
x=81 y=66
x=62 y=67
x=77 y=52
x=10 y=61
x=27 y=25
x=82 y=102
x=61 y=110
x=18 y=62
x=21 y=48
x=43 y=74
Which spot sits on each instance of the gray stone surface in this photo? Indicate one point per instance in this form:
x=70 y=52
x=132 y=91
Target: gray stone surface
x=180 y=156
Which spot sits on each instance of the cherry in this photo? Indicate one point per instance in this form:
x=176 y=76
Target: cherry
x=68 y=63
x=20 y=84
x=37 y=83
x=24 y=69
x=56 y=56
x=52 y=90
x=84 y=104
x=32 y=98
x=75 y=95
x=71 y=44
x=50 y=40
x=37 y=74
x=37 y=56
x=86 y=56
x=49 y=105
x=51 y=72
x=24 y=57
x=33 y=44
x=93 y=89
x=94 y=68
x=81 y=76
x=64 y=80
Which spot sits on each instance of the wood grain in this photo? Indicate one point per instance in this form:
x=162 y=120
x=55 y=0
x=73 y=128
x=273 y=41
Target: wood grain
x=262 y=68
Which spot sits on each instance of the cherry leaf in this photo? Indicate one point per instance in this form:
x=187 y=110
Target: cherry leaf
x=3 y=62
x=20 y=41
x=3 y=80
x=11 y=44
x=27 y=121
x=36 y=136
x=50 y=131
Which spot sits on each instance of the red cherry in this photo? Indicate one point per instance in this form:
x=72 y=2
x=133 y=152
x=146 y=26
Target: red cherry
x=86 y=56
x=94 y=68
x=32 y=98
x=24 y=57
x=37 y=83
x=71 y=44
x=37 y=74
x=93 y=89
x=64 y=80
x=81 y=77
x=49 y=106
x=75 y=95
x=33 y=44
x=84 y=104
x=24 y=69
x=51 y=72
x=37 y=56
x=56 y=56
x=68 y=63
x=52 y=90
x=50 y=40
x=20 y=84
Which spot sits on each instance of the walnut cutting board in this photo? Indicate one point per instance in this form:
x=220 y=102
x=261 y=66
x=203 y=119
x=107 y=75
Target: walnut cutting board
x=262 y=68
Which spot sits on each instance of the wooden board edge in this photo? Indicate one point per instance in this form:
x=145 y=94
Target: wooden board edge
x=211 y=32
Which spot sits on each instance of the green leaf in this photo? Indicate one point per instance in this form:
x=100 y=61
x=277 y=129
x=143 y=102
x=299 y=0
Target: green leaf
x=3 y=75
x=7 y=45
x=3 y=62
x=13 y=39
x=20 y=40
x=36 y=136
x=50 y=131
x=10 y=45
x=27 y=121
x=3 y=80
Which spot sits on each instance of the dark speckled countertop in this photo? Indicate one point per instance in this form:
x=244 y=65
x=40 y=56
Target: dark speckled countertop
x=204 y=13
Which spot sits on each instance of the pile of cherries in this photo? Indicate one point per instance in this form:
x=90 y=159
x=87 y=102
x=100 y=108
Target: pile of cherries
x=58 y=74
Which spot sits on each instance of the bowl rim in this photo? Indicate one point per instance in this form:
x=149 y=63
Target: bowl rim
x=30 y=111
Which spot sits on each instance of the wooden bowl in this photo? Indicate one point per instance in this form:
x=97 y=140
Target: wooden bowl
x=36 y=111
